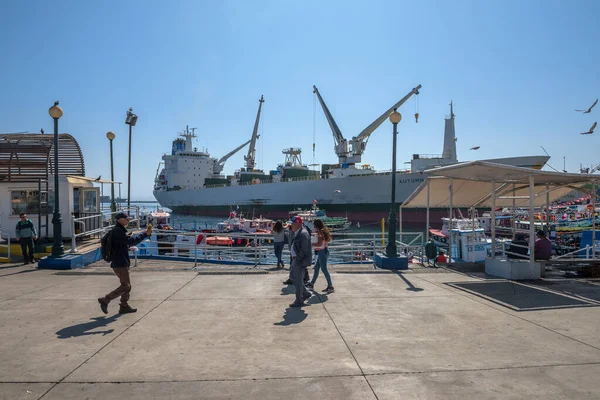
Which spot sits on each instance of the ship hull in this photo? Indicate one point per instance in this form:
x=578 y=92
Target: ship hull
x=362 y=198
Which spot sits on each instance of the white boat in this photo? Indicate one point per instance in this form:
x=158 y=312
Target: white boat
x=237 y=223
x=469 y=240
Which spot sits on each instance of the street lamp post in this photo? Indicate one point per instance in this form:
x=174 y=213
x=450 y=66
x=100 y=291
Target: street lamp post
x=131 y=121
x=113 y=208
x=57 y=249
x=391 y=250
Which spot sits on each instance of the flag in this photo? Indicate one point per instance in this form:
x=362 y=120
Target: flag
x=315 y=201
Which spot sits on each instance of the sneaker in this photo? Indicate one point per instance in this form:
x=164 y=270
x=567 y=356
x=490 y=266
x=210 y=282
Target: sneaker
x=288 y=282
x=307 y=296
x=33 y=260
x=329 y=289
x=26 y=262
x=310 y=285
x=103 y=305
x=294 y=304
x=127 y=310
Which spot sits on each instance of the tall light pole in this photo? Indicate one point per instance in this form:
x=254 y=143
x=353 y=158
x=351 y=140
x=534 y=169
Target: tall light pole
x=110 y=136
x=131 y=121
x=57 y=249
x=391 y=250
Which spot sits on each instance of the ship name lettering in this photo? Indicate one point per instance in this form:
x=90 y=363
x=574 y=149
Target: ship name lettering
x=411 y=180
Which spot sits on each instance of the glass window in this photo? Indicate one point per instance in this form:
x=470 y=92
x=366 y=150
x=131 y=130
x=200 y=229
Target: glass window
x=90 y=203
x=28 y=201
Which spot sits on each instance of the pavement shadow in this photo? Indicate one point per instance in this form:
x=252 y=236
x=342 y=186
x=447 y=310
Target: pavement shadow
x=318 y=298
x=87 y=328
x=526 y=297
x=19 y=272
x=288 y=289
x=411 y=287
x=292 y=316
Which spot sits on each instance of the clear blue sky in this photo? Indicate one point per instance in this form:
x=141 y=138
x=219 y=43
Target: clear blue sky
x=515 y=70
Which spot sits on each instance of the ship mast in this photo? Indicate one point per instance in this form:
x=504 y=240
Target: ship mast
x=250 y=158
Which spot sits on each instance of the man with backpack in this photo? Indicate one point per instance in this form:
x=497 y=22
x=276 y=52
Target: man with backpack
x=25 y=232
x=116 y=250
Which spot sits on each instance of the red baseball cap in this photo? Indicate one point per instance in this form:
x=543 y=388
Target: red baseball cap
x=297 y=219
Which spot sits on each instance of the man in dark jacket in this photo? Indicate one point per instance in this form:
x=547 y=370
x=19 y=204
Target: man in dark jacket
x=120 y=262
x=301 y=251
x=290 y=238
x=25 y=232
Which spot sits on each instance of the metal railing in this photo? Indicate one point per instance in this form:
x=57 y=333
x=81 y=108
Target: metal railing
x=248 y=248
x=106 y=219
x=5 y=236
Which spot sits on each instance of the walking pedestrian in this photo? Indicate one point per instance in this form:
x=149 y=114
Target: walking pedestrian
x=25 y=232
x=320 y=246
x=120 y=262
x=301 y=259
x=290 y=237
x=278 y=242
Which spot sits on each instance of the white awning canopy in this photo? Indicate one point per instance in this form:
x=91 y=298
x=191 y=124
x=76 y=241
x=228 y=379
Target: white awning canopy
x=472 y=186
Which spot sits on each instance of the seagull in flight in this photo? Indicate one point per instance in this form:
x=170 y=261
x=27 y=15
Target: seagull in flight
x=589 y=109
x=475 y=148
x=591 y=129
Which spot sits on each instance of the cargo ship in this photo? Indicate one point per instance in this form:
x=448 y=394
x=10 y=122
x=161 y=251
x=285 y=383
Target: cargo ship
x=191 y=182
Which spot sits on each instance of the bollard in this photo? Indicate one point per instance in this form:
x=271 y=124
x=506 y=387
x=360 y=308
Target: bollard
x=587 y=251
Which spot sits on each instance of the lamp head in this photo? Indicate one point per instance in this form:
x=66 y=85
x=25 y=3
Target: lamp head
x=110 y=136
x=55 y=111
x=395 y=116
x=131 y=117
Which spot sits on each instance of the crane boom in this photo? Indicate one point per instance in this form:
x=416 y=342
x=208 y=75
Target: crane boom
x=250 y=158
x=375 y=124
x=232 y=152
x=337 y=134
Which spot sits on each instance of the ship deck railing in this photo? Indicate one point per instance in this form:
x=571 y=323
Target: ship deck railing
x=345 y=248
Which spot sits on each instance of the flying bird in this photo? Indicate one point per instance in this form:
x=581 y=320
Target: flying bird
x=475 y=148
x=589 y=109
x=591 y=129
x=337 y=191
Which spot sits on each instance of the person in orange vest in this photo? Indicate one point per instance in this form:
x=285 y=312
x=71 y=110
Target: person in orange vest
x=441 y=258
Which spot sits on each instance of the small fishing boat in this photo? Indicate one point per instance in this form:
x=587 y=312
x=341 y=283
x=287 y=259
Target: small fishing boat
x=332 y=223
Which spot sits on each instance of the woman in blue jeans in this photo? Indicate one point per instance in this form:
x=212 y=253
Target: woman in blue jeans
x=319 y=242
x=278 y=242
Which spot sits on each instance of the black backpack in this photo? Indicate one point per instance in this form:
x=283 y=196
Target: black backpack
x=106 y=246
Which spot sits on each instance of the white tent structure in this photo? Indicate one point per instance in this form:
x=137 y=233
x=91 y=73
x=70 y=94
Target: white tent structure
x=482 y=184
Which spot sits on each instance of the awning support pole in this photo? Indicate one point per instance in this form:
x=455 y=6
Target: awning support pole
x=594 y=219
x=473 y=234
x=450 y=223
x=493 y=216
x=531 y=225
x=427 y=214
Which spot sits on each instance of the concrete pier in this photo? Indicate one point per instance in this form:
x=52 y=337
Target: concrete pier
x=221 y=332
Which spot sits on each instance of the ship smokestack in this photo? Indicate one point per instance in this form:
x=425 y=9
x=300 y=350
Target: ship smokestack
x=449 y=137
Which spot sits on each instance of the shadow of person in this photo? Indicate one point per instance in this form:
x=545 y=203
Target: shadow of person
x=317 y=298
x=288 y=289
x=87 y=327
x=292 y=315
